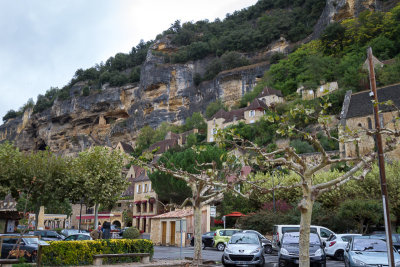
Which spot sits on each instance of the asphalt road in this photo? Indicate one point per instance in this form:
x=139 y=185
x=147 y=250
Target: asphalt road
x=172 y=253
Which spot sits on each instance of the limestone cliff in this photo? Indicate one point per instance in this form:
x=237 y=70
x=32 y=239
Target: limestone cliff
x=166 y=93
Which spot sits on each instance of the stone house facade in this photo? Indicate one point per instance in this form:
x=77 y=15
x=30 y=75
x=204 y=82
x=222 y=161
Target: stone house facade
x=324 y=89
x=222 y=119
x=165 y=227
x=357 y=114
x=145 y=201
x=271 y=96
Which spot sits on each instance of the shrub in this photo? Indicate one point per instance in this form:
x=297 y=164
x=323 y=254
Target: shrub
x=131 y=233
x=61 y=253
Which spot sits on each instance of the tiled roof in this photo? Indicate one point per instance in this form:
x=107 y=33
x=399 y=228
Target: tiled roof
x=127 y=148
x=163 y=145
x=269 y=91
x=361 y=103
x=175 y=214
x=257 y=104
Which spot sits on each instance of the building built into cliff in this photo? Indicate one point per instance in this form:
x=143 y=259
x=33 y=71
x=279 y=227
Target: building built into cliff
x=222 y=119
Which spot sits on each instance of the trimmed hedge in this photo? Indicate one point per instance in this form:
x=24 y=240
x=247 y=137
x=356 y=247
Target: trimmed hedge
x=61 y=253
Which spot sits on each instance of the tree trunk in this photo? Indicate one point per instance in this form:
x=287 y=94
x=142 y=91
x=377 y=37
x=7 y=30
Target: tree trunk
x=197 y=258
x=36 y=218
x=305 y=207
x=96 y=216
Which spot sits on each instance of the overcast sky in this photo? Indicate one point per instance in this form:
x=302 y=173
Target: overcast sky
x=43 y=42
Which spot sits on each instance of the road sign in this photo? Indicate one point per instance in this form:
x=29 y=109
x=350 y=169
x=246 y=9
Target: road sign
x=213 y=211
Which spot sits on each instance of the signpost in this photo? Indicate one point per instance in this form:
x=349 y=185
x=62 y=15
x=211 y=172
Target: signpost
x=181 y=227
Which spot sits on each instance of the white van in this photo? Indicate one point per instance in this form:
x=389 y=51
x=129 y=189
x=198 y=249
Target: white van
x=279 y=230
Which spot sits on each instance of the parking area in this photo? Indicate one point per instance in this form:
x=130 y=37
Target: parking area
x=171 y=253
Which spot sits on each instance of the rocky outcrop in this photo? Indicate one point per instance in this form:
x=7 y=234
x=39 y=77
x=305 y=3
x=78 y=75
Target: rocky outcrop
x=338 y=10
x=166 y=92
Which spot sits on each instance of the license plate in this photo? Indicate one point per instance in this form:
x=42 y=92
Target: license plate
x=296 y=261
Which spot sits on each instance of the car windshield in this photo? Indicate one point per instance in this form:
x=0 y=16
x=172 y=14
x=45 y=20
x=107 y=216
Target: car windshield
x=374 y=245
x=31 y=240
x=293 y=238
x=244 y=239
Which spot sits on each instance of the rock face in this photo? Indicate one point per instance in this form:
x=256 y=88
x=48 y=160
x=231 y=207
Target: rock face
x=166 y=93
x=338 y=10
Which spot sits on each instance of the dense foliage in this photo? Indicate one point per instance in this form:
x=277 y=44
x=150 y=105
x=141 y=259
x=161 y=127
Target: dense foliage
x=174 y=190
x=245 y=30
x=131 y=233
x=340 y=53
x=63 y=253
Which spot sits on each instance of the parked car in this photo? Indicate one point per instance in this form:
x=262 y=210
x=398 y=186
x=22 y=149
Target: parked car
x=395 y=239
x=48 y=235
x=367 y=251
x=222 y=236
x=278 y=231
x=289 y=250
x=78 y=236
x=207 y=240
x=267 y=243
x=244 y=249
x=68 y=232
x=336 y=244
x=27 y=246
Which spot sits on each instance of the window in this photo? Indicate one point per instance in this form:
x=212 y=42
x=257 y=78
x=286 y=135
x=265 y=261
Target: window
x=150 y=189
x=138 y=209
x=310 y=92
x=369 y=123
x=214 y=131
x=145 y=188
x=325 y=233
x=137 y=188
x=119 y=205
x=252 y=113
x=151 y=206
x=321 y=88
x=140 y=189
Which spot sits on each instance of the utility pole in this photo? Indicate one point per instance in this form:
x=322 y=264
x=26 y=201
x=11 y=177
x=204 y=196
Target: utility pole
x=381 y=160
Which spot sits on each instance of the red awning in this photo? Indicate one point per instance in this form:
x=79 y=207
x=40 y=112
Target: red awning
x=138 y=202
x=144 y=201
x=152 y=200
x=87 y=217
x=235 y=214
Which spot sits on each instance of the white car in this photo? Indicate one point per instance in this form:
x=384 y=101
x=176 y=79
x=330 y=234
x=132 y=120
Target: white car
x=336 y=244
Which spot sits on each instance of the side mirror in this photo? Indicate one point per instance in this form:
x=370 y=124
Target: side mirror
x=264 y=243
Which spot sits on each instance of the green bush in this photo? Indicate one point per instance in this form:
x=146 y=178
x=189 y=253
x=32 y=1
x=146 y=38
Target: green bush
x=131 y=233
x=61 y=253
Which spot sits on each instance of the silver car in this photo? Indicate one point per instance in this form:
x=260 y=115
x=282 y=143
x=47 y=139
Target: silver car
x=244 y=249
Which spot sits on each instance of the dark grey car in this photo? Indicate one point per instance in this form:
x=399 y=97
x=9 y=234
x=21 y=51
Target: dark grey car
x=28 y=247
x=289 y=250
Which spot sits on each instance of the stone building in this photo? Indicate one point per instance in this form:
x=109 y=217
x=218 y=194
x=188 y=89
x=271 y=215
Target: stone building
x=324 y=89
x=222 y=119
x=9 y=216
x=145 y=201
x=357 y=114
x=165 y=228
x=271 y=96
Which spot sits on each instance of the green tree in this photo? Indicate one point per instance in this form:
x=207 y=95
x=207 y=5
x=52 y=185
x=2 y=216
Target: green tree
x=360 y=214
x=99 y=172
x=196 y=121
x=214 y=107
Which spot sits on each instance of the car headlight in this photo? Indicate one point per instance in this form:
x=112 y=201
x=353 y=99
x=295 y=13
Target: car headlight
x=318 y=253
x=227 y=250
x=359 y=262
x=255 y=251
x=283 y=251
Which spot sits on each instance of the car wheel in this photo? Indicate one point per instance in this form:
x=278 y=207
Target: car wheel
x=262 y=261
x=221 y=246
x=203 y=246
x=339 y=255
x=268 y=250
x=223 y=261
